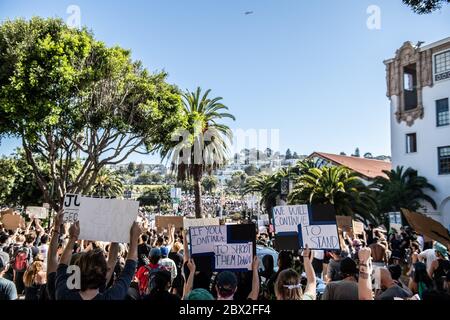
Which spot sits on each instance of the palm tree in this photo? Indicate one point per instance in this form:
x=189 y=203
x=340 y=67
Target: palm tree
x=107 y=184
x=337 y=186
x=201 y=145
x=269 y=186
x=402 y=189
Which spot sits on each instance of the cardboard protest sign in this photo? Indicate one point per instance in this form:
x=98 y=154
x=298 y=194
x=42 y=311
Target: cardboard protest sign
x=345 y=223
x=100 y=219
x=427 y=227
x=12 y=221
x=37 y=212
x=358 y=228
x=312 y=225
x=6 y=211
x=188 y=223
x=163 y=222
x=224 y=247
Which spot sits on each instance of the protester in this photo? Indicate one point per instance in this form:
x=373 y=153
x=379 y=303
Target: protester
x=347 y=288
x=35 y=279
x=439 y=267
x=93 y=271
x=7 y=287
x=288 y=284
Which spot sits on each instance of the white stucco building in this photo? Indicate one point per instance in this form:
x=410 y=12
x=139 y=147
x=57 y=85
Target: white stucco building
x=418 y=81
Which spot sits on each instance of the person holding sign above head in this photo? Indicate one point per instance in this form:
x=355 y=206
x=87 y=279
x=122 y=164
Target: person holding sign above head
x=227 y=283
x=92 y=271
x=288 y=285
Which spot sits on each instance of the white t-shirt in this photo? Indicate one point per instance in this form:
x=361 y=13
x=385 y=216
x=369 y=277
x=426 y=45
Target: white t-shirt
x=169 y=265
x=429 y=255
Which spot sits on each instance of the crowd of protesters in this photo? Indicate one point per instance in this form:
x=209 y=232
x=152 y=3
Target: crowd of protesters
x=39 y=263
x=211 y=205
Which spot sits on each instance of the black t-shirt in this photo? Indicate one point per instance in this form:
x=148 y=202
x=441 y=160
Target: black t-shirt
x=162 y=296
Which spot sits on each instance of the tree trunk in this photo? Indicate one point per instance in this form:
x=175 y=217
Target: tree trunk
x=198 y=198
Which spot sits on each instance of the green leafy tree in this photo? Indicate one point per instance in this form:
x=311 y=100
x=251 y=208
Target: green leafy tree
x=402 y=189
x=337 y=186
x=269 y=187
x=69 y=98
x=288 y=154
x=155 y=196
x=131 y=168
x=251 y=170
x=202 y=146
x=210 y=183
x=237 y=182
x=425 y=6
x=107 y=184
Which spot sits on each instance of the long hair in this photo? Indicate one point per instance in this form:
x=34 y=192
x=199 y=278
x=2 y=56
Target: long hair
x=288 y=286
x=30 y=275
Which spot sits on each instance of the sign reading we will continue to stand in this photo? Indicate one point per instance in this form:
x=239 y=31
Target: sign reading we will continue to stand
x=213 y=241
x=305 y=225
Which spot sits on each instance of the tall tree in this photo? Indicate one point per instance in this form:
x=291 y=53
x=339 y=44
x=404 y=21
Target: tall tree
x=70 y=98
x=210 y=183
x=107 y=184
x=425 y=6
x=337 y=186
x=402 y=189
x=203 y=144
x=288 y=154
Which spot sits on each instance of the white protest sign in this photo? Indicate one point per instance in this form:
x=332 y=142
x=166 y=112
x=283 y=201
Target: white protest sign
x=203 y=239
x=37 y=212
x=188 y=223
x=287 y=218
x=319 y=237
x=227 y=256
x=106 y=220
x=233 y=256
x=71 y=207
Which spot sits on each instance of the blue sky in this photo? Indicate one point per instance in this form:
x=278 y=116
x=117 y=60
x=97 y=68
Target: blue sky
x=311 y=69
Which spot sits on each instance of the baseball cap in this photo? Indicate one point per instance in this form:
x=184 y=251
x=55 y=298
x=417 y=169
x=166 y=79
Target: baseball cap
x=226 y=283
x=164 y=251
x=4 y=260
x=155 y=252
x=441 y=249
x=199 y=294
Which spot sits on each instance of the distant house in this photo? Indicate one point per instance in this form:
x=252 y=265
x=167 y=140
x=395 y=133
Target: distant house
x=367 y=169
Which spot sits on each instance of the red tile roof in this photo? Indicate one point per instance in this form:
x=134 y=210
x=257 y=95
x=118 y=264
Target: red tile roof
x=368 y=168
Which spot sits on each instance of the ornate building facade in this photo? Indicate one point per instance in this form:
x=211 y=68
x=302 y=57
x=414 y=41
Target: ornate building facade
x=418 y=86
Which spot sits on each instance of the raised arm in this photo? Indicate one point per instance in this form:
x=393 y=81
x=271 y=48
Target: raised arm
x=254 y=294
x=52 y=254
x=112 y=260
x=134 y=240
x=365 y=272
x=310 y=274
x=189 y=285
x=74 y=233
x=171 y=235
x=186 y=255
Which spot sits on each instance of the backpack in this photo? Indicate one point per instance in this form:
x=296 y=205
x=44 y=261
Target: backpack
x=147 y=283
x=21 y=259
